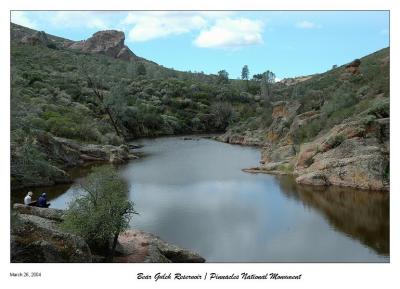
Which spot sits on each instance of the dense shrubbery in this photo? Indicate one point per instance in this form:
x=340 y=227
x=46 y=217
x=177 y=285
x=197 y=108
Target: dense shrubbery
x=145 y=99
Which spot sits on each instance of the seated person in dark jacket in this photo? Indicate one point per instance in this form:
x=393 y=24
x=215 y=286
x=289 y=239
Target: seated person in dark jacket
x=42 y=201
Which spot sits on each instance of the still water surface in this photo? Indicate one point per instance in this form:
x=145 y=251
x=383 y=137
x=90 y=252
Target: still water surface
x=193 y=193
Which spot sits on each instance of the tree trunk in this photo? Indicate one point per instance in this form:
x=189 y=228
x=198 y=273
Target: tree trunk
x=110 y=256
x=113 y=122
x=100 y=97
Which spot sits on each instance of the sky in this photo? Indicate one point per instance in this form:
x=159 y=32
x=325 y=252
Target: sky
x=289 y=43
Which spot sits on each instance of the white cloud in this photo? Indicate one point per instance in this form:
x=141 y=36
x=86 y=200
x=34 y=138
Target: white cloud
x=20 y=17
x=160 y=24
x=78 y=19
x=307 y=25
x=231 y=33
x=211 y=29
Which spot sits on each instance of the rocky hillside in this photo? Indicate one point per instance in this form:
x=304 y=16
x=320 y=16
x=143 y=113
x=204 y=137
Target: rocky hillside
x=97 y=91
x=329 y=129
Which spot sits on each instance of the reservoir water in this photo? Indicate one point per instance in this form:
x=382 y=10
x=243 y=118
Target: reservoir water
x=193 y=193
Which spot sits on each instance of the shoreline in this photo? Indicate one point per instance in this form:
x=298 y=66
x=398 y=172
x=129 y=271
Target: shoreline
x=287 y=167
x=36 y=237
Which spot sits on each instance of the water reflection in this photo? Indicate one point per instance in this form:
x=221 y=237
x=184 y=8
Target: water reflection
x=363 y=215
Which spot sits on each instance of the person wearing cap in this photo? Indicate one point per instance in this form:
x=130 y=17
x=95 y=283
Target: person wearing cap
x=28 y=198
x=42 y=202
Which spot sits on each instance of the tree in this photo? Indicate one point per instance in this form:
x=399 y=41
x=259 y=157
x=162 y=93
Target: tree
x=245 y=72
x=141 y=69
x=223 y=76
x=222 y=113
x=258 y=77
x=102 y=212
x=268 y=78
x=95 y=80
x=117 y=102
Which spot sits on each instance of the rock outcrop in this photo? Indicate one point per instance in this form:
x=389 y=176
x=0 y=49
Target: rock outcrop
x=250 y=138
x=294 y=80
x=64 y=154
x=37 y=38
x=353 y=67
x=49 y=213
x=138 y=246
x=278 y=150
x=108 y=42
x=36 y=238
x=352 y=154
x=72 y=153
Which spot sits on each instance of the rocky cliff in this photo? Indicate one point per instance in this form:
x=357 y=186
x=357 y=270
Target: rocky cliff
x=37 y=238
x=108 y=42
x=354 y=153
x=343 y=140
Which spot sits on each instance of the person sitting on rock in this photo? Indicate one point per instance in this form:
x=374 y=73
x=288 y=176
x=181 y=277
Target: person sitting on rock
x=28 y=198
x=42 y=202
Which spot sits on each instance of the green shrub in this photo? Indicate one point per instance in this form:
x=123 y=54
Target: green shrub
x=102 y=212
x=335 y=141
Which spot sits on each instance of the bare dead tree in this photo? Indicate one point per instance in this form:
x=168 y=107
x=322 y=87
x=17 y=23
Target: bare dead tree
x=94 y=85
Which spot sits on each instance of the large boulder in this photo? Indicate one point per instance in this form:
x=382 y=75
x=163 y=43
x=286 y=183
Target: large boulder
x=107 y=42
x=35 y=239
x=47 y=213
x=138 y=246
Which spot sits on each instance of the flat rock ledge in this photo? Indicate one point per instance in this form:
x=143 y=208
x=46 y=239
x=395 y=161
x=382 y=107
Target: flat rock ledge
x=261 y=170
x=137 y=246
x=37 y=238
